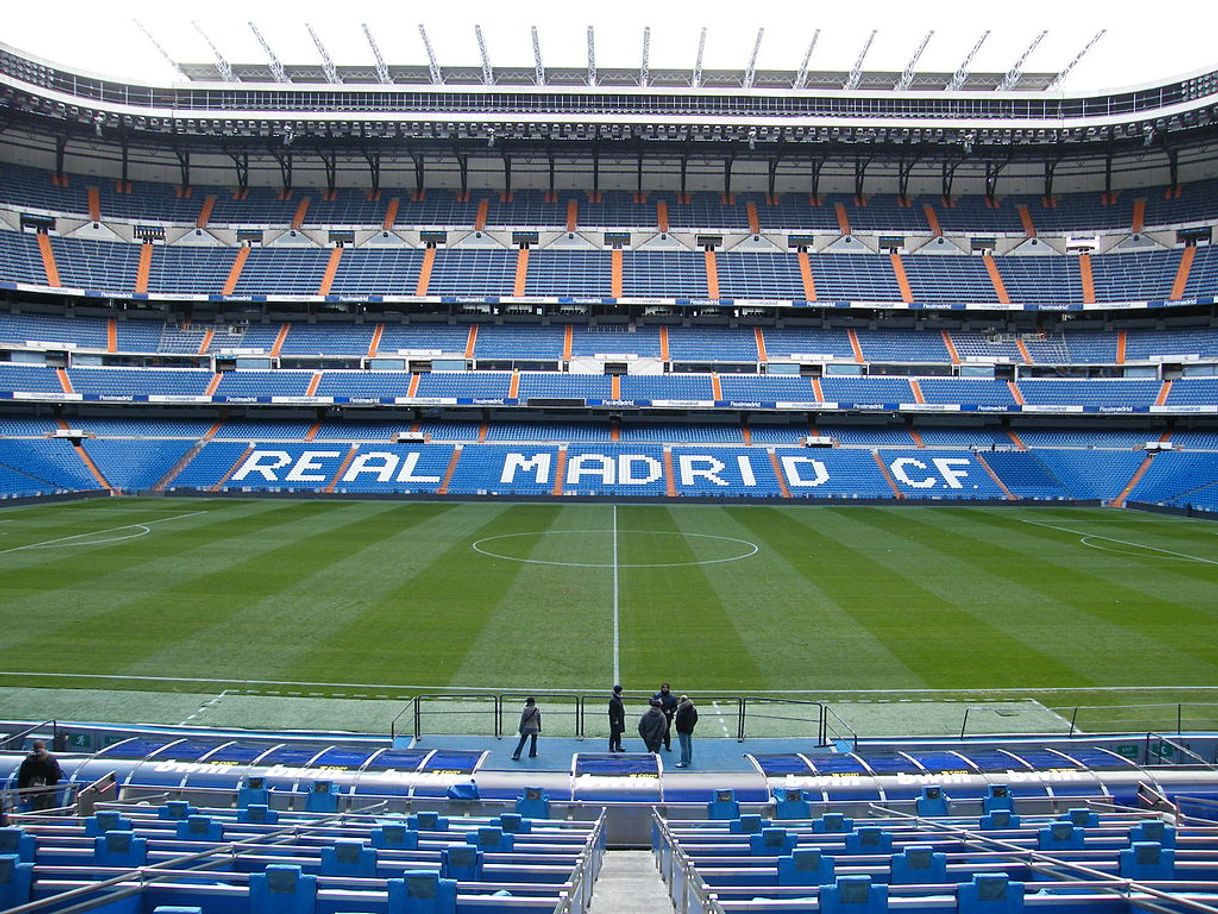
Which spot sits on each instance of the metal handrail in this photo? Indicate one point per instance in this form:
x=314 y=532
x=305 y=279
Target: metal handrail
x=167 y=868
x=1037 y=858
x=1179 y=747
x=19 y=738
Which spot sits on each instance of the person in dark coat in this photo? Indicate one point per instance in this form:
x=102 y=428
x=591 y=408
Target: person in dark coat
x=617 y=720
x=653 y=726
x=685 y=720
x=668 y=704
x=530 y=726
x=40 y=769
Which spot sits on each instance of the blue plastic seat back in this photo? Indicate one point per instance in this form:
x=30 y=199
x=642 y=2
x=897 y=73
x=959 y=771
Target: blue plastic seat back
x=990 y=893
x=534 y=803
x=998 y=796
x=253 y=792
x=999 y=819
x=321 y=798
x=349 y=857
x=918 y=865
x=932 y=801
x=792 y=803
x=747 y=825
x=427 y=821
x=104 y=821
x=282 y=889
x=1061 y=836
x=422 y=892
x=854 y=895
x=1081 y=816
x=395 y=837
x=1147 y=860
x=15 y=842
x=724 y=806
x=176 y=810
x=832 y=823
x=16 y=881
x=772 y=842
x=120 y=848
x=1155 y=830
x=513 y=823
x=869 y=840
x=463 y=862
x=200 y=828
x=805 y=866
x=491 y=839
x=258 y=813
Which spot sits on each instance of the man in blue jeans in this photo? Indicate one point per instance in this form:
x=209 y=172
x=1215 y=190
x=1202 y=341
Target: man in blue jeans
x=685 y=720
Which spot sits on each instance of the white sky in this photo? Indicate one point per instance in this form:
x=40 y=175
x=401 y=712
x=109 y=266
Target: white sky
x=1140 y=46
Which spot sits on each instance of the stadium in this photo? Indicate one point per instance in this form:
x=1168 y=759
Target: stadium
x=343 y=407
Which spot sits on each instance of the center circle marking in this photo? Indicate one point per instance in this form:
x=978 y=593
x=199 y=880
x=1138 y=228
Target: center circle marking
x=746 y=548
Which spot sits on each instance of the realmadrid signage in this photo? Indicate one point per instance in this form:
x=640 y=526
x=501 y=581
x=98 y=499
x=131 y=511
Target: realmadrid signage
x=645 y=470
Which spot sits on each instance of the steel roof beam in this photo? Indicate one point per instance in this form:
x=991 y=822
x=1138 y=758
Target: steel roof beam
x=907 y=76
x=801 y=77
x=433 y=67
x=327 y=63
x=961 y=75
x=277 y=71
x=856 y=72
x=382 y=71
x=1009 y=81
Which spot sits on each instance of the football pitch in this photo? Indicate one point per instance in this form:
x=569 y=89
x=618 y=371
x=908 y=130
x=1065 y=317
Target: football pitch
x=165 y=605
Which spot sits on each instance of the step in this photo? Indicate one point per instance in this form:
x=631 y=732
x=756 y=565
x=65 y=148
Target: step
x=629 y=883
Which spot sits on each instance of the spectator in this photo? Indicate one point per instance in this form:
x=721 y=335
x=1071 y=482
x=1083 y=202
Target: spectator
x=686 y=720
x=40 y=769
x=668 y=704
x=530 y=726
x=617 y=720
x=653 y=726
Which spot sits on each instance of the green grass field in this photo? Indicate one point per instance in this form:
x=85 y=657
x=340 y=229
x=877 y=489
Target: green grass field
x=379 y=600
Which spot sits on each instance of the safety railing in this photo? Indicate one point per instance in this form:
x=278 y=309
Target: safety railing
x=578 y=715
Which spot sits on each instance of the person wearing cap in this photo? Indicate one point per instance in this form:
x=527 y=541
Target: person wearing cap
x=530 y=726
x=617 y=720
x=685 y=720
x=653 y=726
x=40 y=769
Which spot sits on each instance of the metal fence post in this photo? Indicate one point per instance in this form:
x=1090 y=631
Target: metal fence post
x=740 y=715
x=418 y=717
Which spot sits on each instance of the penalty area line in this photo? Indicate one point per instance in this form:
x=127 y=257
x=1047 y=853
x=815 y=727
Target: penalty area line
x=67 y=540
x=1096 y=536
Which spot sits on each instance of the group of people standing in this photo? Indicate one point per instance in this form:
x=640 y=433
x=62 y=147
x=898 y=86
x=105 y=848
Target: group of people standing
x=665 y=713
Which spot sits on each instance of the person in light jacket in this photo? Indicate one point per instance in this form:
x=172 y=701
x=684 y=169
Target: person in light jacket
x=530 y=726
x=653 y=725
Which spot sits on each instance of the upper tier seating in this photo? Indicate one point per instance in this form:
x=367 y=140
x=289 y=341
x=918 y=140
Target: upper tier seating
x=31 y=189
x=300 y=270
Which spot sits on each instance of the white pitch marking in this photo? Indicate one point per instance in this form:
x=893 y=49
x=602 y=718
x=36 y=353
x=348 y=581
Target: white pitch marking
x=1085 y=536
x=617 y=632
x=752 y=548
x=722 y=722
x=27 y=674
x=66 y=540
x=203 y=707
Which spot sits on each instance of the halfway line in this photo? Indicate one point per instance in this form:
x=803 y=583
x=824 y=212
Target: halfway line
x=1096 y=536
x=76 y=536
x=617 y=629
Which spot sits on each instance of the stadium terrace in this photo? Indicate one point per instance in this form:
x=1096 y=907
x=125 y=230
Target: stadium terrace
x=357 y=418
